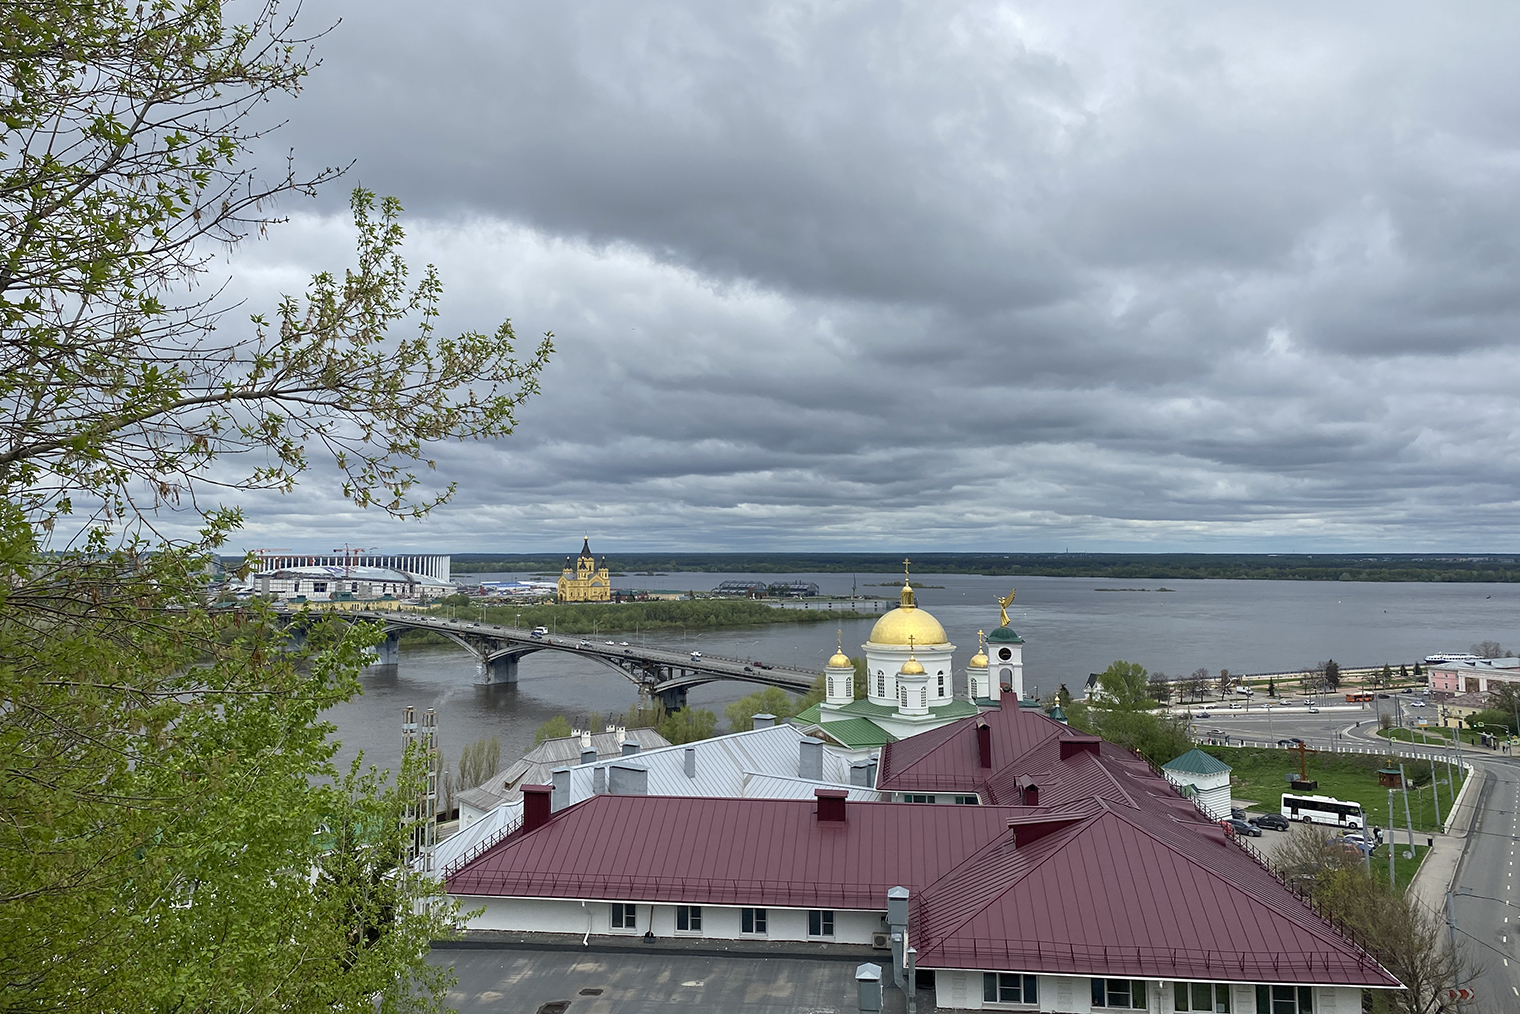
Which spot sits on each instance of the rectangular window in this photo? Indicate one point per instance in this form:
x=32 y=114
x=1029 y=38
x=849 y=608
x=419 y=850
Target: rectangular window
x=689 y=918
x=1203 y=996
x=624 y=917
x=1284 y=1000
x=751 y=920
x=966 y=800
x=820 y=923
x=915 y=798
x=1009 y=987
x=1125 y=994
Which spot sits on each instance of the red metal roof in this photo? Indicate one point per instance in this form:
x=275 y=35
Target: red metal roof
x=1141 y=887
x=686 y=849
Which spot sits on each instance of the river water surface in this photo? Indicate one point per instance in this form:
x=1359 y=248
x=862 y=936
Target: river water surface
x=1071 y=626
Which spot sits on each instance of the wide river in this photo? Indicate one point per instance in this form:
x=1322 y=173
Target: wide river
x=1071 y=626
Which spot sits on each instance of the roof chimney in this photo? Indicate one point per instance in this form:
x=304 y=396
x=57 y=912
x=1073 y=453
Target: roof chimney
x=983 y=744
x=1029 y=792
x=536 y=806
x=860 y=771
x=691 y=762
x=588 y=756
x=764 y=721
x=831 y=804
x=630 y=747
x=598 y=780
x=810 y=759
x=561 y=789
x=871 y=771
x=627 y=780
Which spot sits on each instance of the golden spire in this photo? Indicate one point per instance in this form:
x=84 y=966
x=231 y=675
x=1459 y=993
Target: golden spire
x=912 y=667
x=979 y=660
x=906 y=598
x=1005 y=603
x=840 y=659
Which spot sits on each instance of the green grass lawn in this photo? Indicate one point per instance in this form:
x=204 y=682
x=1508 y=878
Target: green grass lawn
x=1403 y=869
x=1258 y=775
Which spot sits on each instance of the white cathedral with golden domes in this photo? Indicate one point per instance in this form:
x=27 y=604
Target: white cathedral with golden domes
x=910 y=681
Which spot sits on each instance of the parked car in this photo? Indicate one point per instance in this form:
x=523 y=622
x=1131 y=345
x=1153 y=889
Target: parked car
x=1237 y=813
x=1241 y=827
x=1273 y=821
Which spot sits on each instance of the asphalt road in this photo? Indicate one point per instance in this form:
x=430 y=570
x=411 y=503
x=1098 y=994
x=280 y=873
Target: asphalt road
x=1486 y=898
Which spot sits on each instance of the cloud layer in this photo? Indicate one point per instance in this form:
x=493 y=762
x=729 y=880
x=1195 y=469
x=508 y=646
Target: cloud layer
x=1031 y=276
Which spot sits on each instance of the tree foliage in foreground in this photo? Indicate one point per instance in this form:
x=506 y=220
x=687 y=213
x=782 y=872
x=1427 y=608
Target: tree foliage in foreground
x=174 y=834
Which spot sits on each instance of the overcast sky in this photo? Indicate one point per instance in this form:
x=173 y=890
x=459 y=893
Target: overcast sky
x=1021 y=276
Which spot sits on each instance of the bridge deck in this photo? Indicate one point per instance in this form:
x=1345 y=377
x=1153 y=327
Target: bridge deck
x=658 y=669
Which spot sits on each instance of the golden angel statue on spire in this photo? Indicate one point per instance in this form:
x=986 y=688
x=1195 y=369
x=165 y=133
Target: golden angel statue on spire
x=1005 y=603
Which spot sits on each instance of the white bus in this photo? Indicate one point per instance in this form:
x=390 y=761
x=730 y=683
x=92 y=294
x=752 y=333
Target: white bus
x=1323 y=810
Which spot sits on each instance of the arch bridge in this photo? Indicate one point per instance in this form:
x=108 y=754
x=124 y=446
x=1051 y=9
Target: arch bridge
x=665 y=674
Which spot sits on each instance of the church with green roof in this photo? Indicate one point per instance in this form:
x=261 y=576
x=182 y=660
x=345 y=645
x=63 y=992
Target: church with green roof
x=910 y=681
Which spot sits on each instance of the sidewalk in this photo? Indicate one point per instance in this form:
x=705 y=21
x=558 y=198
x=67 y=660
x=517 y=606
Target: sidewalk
x=1434 y=877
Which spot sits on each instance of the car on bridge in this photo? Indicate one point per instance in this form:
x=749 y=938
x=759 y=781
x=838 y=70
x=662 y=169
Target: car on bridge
x=540 y=631
x=584 y=644
x=696 y=656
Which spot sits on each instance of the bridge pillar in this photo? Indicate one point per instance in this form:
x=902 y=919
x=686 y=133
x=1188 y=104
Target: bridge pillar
x=388 y=652
x=501 y=670
x=672 y=700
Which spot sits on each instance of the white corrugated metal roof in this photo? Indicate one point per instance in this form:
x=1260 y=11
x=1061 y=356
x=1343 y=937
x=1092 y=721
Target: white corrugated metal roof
x=454 y=846
x=535 y=765
x=725 y=765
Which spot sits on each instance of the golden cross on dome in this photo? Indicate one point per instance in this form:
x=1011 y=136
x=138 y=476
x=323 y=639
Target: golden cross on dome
x=839 y=635
x=910 y=646
x=906 y=561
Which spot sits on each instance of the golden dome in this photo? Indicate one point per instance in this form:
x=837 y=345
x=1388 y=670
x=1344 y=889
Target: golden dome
x=840 y=661
x=908 y=625
x=979 y=660
x=912 y=667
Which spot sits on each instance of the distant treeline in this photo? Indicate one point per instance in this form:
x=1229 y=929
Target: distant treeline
x=1125 y=566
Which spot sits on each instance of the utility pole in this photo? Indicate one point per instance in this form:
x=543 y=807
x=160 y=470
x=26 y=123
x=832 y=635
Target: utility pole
x=1408 y=820
x=1391 y=826
x=1435 y=790
x=1451 y=931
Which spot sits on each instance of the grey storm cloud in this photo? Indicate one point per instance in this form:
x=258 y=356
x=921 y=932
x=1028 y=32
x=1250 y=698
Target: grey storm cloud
x=1029 y=275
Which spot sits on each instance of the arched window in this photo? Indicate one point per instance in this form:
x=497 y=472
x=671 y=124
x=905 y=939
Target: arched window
x=923 y=697
x=902 y=696
x=942 y=684
x=831 y=686
x=881 y=685
x=972 y=687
